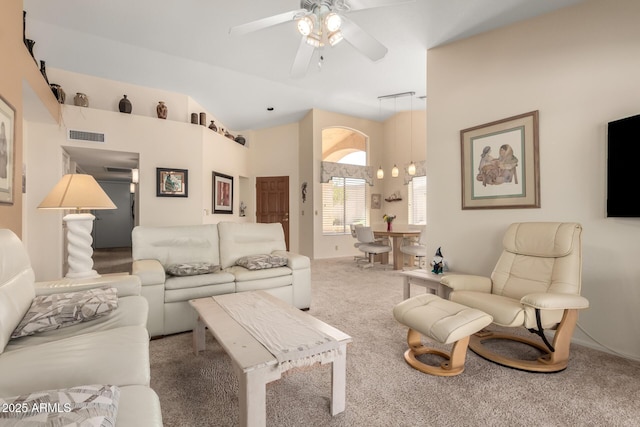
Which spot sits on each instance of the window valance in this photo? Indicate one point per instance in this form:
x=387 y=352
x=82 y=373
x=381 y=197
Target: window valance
x=329 y=170
x=421 y=170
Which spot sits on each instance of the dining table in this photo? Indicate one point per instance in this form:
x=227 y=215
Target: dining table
x=397 y=235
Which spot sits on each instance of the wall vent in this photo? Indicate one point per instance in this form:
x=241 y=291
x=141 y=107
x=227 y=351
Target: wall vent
x=80 y=135
x=115 y=169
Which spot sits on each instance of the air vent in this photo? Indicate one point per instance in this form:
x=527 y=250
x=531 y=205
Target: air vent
x=117 y=169
x=80 y=135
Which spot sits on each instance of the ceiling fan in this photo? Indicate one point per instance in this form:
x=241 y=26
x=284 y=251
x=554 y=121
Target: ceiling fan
x=321 y=23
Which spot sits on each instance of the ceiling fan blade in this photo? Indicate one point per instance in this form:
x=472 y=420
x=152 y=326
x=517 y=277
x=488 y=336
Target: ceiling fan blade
x=303 y=58
x=270 y=21
x=369 y=4
x=362 y=41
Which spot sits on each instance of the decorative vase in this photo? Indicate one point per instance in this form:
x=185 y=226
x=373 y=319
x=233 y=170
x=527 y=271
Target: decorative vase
x=389 y=226
x=81 y=100
x=30 y=43
x=162 y=110
x=213 y=126
x=58 y=92
x=228 y=135
x=194 y=118
x=43 y=70
x=125 y=105
x=203 y=119
x=240 y=139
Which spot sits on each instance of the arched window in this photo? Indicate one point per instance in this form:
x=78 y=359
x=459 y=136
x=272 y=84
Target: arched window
x=343 y=197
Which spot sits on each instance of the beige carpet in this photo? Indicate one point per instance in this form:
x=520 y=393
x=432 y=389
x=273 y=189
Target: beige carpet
x=597 y=389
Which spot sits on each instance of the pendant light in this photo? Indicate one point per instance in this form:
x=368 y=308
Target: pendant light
x=411 y=170
x=395 y=172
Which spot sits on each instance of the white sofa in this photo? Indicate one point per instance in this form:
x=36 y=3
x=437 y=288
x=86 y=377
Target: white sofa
x=157 y=248
x=112 y=349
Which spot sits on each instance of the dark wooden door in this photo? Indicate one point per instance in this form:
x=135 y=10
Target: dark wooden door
x=272 y=201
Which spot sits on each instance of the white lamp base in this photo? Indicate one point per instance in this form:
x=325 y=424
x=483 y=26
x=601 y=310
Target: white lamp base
x=79 y=245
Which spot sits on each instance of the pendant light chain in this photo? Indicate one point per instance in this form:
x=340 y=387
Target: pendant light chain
x=380 y=173
x=411 y=170
x=395 y=172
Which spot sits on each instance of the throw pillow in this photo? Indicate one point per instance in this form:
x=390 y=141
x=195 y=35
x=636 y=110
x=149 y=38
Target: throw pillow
x=192 y=268
x=259 y=262
x=90 y=405
x=55 y=311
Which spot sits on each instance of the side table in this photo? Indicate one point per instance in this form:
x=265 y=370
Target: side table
x=426 y=279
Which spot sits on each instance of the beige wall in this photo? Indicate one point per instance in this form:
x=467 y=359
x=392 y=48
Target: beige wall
x=397 y=149
x=336 y=246
x=389 y=142
x=274 y=152
x=579 y=67
x=22 y=86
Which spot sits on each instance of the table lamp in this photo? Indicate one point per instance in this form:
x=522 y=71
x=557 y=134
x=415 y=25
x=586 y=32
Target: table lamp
x=78 y=192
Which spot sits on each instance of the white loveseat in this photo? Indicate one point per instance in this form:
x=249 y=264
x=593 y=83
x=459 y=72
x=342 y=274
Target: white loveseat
x=155 y=249
x=110 y=350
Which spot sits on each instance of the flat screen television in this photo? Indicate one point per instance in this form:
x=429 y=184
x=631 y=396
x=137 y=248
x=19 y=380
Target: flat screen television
x=623 y=174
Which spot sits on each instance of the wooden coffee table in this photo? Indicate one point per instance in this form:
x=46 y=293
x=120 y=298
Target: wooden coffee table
x=255 y=366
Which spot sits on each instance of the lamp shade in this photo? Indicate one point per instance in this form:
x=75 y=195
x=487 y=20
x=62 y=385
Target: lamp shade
x=77 y=191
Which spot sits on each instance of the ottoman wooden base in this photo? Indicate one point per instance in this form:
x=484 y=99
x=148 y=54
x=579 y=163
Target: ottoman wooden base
x=454 y=361
x=443 y=321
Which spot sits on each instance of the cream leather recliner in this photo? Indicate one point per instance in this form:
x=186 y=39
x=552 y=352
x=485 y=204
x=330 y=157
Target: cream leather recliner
x=535 y=284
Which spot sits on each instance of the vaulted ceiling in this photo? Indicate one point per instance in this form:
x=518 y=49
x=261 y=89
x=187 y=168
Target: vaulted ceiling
x=184 y=46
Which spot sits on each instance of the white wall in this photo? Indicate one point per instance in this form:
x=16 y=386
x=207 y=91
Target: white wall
x=579 y=67
x=159 y=143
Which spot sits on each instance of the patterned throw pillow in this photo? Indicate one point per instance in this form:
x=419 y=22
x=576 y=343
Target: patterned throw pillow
x=55 y=311
x=259 y=262
x=89 y=405
x=192 y=268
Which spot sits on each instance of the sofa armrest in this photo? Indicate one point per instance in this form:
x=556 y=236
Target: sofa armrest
x=295 y=261
x=467 y=282
x=150 y=271
x=126 y=284
x=550 y=301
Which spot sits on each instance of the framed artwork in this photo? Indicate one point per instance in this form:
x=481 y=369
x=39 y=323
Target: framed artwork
x=376 y=201
x=222 y=193
x=500 y=164
x=7 y=145
x=172 y=182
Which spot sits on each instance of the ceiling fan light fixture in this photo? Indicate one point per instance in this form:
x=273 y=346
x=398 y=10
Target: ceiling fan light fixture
x=332 y=22
x=335 y=38
x=314 y=40
x=305 y=25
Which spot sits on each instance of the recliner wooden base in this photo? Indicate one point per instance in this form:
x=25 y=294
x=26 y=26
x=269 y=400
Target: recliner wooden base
x=453 y=365
x=549 y=362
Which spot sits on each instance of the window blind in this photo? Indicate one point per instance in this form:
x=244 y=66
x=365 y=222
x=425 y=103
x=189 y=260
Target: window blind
x=418 y=200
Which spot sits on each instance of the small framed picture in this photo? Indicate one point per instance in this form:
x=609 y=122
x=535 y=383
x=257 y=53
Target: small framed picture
x=376 y=200
x=222 y=193
x=7 y=118
x=172 y=182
